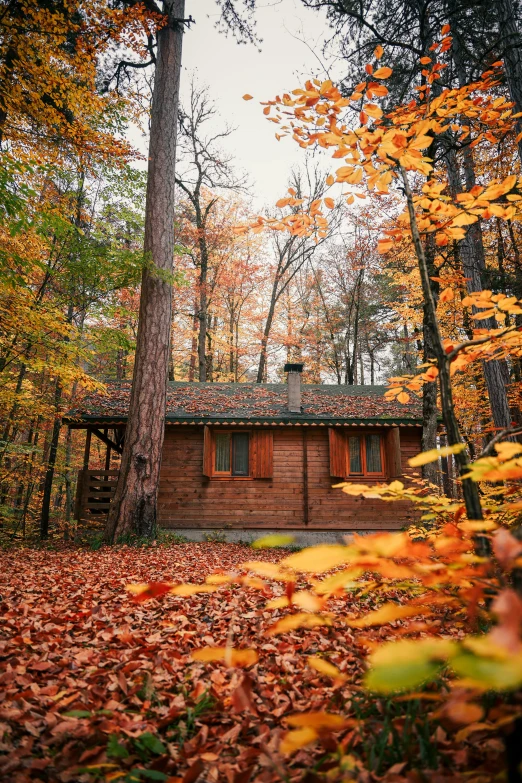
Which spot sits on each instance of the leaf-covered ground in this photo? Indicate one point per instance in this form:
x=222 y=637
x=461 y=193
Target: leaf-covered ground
x=94 y=686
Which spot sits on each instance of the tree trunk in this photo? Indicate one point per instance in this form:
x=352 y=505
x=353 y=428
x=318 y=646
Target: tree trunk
x=471 y=252
x=469 y=488
x=203 y=316
x=49 y=474
x=261 y=370
x=134 y=508
x=429 y=393
x=511 y=51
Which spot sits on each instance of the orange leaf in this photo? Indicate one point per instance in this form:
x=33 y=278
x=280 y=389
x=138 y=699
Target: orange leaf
x=301 y=620
x=329 y=202
x=229 y=655
x=247 y=97
x=446 y=295
x=317 y=720
x=387 y=614
x=403 y=397
x=295 y=740
x=383 y=245
x=383 y=73
x=378 y=53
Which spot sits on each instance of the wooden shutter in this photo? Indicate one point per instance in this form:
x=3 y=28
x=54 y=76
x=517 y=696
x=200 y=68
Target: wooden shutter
x=338 y=453
x=392 y=447
x=262 y=453
x=207 y=452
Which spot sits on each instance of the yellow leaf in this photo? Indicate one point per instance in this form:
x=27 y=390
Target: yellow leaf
x=507 y=449
x=330 y=179
x=297 y=739
x=301 y=620
x=307 y=601
x=276 y=539
x=317 y=559
x=219 y=579
x=383 y=73
x=337 y=581
x=317 y=720
x=387 y=614
x=403 y=397
x=281 y=602
x=325 y=667
x=187 y=590
x=433 y=454
x=269 y=570
x=465 y=219
x=229 y=655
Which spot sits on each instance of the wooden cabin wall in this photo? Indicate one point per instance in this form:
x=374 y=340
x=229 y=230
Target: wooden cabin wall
x=189 y=500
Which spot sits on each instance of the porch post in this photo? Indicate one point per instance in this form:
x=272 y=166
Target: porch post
x=87 y=452
x=107 y=453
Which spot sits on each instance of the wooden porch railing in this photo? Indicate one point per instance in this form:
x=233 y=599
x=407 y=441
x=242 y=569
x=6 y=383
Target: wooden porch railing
x=94 y=492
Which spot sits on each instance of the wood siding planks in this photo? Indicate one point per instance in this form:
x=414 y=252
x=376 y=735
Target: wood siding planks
x=188 y=499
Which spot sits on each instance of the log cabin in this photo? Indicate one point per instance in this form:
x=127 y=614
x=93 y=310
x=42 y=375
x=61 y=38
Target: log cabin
x=248 y=457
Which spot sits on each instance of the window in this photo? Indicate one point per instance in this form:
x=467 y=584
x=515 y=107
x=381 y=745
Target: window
x=231 y=453
x=247 y=454
x=372 y=454
x=365 y=455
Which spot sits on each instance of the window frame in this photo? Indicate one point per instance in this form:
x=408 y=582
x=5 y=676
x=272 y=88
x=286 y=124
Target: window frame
x=228 y=475
x=362 y=434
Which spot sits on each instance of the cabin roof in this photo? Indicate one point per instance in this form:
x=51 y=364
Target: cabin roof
x=251 y=403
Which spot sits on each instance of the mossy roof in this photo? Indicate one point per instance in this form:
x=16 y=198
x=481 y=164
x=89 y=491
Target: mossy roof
x=249 y=402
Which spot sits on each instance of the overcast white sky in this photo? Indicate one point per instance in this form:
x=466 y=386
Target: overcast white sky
x=231 y=70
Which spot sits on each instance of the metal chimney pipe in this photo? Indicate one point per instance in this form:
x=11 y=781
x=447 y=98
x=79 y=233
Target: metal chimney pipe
x=294 y=386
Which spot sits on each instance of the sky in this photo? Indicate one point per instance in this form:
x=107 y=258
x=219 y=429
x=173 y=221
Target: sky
x=292 y=38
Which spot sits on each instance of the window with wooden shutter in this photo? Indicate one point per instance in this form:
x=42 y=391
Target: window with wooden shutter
x=338 y=453
x=393 y=453
x=357 y=454
x=229 y=454
x=262 y=454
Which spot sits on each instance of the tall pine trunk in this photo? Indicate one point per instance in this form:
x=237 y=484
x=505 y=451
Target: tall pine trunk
x=511 y=51
x=134 y=509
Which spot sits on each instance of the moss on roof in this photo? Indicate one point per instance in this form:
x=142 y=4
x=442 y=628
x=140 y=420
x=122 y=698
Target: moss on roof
x=240 y=401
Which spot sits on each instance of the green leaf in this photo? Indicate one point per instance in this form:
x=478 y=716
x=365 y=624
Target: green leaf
x=77 y=714
x=275 y=539
x=401 y=666
x=500 y=674
x=115 y=750
x=138 y=774
x=151 y=743
x=401 y=677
